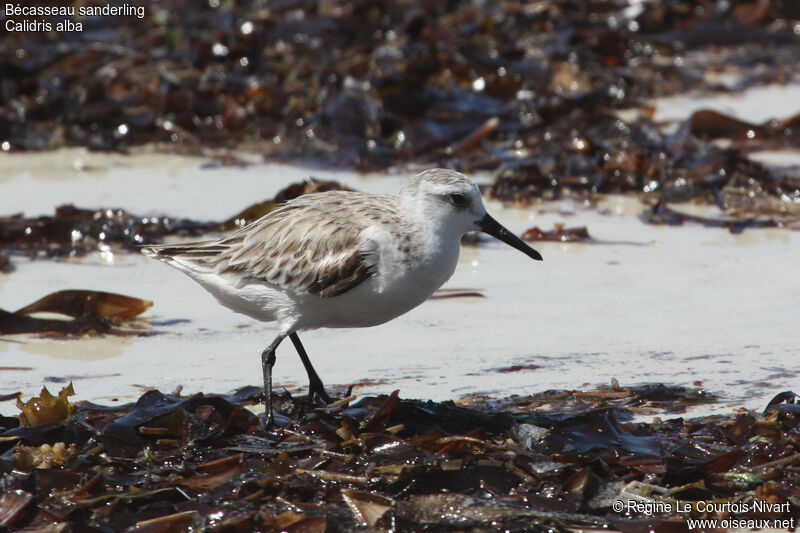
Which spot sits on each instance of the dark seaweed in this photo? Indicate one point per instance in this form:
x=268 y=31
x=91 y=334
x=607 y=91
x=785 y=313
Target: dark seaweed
x=170 y=463
x=92 y=312
x=74 y=232
x=529 y=90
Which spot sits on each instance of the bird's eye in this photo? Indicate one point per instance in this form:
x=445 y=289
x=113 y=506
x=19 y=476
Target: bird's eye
x=458 y=200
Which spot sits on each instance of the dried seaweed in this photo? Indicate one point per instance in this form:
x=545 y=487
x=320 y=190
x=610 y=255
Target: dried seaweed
x=79 y=304
x=554 y=461
x=530 y=91
x=559 y=233
x=92 y=312
x=46 y=408
x=661 y=214
x=74 y=232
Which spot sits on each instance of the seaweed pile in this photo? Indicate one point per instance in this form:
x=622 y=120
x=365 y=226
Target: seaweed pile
x=532 y=91
x=553 y=461
x=75 y=232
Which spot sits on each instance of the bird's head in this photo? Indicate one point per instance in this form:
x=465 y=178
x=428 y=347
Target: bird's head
x=452 y=202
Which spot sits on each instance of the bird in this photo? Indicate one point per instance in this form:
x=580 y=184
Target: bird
x=340 y=259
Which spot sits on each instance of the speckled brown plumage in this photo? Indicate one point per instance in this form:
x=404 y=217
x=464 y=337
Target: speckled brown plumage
x=310 y=244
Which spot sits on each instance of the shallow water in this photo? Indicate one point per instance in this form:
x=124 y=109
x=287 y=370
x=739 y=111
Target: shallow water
x=651 y=304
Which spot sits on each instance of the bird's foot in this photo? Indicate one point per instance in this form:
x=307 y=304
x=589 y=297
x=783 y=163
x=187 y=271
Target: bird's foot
x=272 y=425
x=269 y=422
x=320 y=393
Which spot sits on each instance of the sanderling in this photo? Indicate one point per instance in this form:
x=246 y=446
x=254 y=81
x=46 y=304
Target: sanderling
x=340 y=259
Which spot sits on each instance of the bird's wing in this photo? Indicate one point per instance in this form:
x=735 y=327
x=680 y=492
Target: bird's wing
x=310 y=244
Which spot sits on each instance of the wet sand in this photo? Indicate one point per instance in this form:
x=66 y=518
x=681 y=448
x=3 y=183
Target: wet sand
x=649 y=304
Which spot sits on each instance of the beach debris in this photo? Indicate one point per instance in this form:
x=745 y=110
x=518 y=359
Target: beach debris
x=554 y=97
x=661 y=213
x=559 y=459
x=91 y=311
x=80 y=303
x=559 y=233
x=46 y=408
x=74 y=232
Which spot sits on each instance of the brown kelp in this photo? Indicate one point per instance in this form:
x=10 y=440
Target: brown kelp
x=558 y=460
x=532 y=91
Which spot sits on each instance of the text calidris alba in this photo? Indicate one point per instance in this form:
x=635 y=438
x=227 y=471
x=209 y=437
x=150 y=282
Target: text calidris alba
x=340 y=259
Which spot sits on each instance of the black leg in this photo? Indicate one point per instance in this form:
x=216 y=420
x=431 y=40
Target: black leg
x=314 y=383
x=267 y=362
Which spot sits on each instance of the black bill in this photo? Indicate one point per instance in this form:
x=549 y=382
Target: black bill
x=489 y=225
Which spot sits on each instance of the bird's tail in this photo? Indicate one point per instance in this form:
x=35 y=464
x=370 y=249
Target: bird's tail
x=195 y=257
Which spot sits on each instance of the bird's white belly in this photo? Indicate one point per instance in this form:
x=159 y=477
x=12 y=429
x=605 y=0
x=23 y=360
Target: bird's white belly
x=362 y=306
x=380 y=298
